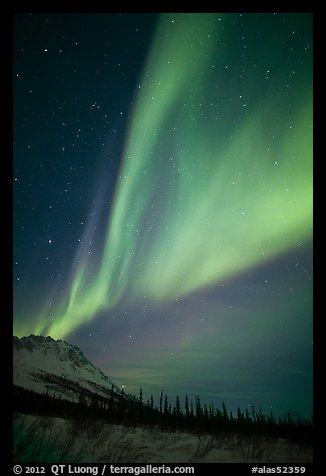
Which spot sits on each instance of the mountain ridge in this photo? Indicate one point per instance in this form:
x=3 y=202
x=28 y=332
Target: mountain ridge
x=45 y=365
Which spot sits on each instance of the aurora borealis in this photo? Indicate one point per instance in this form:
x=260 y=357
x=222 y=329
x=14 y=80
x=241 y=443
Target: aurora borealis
x=163 y=198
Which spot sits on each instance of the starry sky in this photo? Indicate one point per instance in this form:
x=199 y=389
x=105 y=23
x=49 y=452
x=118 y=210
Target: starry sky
x=162 y=183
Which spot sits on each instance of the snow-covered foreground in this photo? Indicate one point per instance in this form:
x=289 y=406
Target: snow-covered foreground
x=59 y=440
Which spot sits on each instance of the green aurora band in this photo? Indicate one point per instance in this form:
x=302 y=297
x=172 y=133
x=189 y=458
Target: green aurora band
x=200 y=198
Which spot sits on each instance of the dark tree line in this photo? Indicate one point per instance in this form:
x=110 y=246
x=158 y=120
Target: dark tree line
x=185 y=416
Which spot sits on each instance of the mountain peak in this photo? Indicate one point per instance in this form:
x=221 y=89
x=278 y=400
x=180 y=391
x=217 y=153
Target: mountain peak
x=31 y=341
x=35 y=342
x=43 y=364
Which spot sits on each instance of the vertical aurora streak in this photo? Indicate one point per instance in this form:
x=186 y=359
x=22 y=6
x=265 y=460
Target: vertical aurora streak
x=206 y=189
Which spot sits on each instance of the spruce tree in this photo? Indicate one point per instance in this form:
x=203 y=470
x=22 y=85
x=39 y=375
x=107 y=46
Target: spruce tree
x=166 y=405
x=140 y=404
x=141 y=396
x=177 y=407
x=187 y=406
x=198 y=407
x=225 y=412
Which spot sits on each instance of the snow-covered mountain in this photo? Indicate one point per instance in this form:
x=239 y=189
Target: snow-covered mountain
x=43 y=364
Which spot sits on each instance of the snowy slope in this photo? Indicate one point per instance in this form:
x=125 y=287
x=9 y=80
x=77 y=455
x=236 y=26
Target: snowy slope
x=43 y=364
x=49 y=440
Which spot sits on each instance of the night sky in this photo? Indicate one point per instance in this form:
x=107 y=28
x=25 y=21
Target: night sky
x=163 y=199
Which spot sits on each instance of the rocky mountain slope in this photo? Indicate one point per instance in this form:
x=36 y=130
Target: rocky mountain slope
x=45 y=365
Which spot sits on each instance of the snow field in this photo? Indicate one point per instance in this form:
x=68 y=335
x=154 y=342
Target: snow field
x=59 y=440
